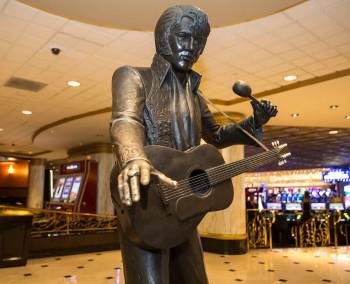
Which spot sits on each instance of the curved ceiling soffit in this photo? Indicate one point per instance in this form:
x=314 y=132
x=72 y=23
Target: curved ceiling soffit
x=292 y=86
x=130 y=15
x=69 y=119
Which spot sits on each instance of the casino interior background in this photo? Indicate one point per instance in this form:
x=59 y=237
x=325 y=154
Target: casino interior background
x=56 y=63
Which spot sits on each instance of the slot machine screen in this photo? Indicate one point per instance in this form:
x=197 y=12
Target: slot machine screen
x=58 y=188
x=274 y=206
x=336 y=206
x=293 y=206
x=75 y=189
x=347 y=196
x=318 y=206
x=66 y=189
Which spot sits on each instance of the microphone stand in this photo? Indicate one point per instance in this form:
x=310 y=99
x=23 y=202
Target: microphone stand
x=235 y=123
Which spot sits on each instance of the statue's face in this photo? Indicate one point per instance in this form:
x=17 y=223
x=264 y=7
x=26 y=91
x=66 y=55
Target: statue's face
x=186 y=45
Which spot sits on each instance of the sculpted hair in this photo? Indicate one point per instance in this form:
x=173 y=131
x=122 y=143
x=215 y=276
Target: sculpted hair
x=171 y=17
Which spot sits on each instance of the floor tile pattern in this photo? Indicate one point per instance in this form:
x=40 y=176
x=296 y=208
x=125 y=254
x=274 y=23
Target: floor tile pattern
x=311 y=266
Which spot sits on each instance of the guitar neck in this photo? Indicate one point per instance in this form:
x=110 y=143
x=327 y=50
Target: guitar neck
x=226 y=171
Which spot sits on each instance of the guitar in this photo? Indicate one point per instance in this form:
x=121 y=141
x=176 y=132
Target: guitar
x=166 y=215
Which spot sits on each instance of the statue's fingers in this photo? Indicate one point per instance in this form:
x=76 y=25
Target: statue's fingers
x=120 y=187
x=274 y=111
x=268 y=104
x=135 y=188
x=254 y=104
x=126 y=188
x=145 y=173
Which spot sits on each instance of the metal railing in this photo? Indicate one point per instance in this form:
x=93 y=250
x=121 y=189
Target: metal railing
x=340 y=228
x=313 y=232
x=323 y=229
x=259 y=228
x=53 y=222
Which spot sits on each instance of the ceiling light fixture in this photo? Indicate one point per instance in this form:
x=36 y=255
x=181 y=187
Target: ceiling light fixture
x=290 y=78
x=333 y=106
x=26 y=112
x=347 y=117
x=1 y=129
x=73 y=83
x=333 y=132
x=294 y=115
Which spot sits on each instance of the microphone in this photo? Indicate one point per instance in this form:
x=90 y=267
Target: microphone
x=242 y=89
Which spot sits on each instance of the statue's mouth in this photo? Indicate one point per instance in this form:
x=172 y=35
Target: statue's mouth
x=186 y=55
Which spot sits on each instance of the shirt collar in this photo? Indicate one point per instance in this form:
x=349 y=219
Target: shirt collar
x=162 y=67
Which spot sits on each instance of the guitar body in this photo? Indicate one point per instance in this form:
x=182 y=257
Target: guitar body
x=165 y=217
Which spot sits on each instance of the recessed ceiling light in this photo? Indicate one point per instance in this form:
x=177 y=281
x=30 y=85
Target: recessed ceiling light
x=347 y=117
x=333 y=106
x=333 y=132
x=290 y=78
x=1 y=129
x=295 y=115
x=26 y=112
x=73 y=83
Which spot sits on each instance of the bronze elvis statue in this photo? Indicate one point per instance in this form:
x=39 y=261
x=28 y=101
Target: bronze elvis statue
x=160 y=105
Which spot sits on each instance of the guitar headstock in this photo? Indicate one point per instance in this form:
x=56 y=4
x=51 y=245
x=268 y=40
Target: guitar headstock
x=282 y=150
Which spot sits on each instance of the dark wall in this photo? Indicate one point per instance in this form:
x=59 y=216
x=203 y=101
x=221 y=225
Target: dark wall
x=18 y=179
x=14 y=187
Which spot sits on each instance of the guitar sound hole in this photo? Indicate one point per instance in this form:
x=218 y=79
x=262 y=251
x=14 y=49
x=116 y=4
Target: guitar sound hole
x=199 y=182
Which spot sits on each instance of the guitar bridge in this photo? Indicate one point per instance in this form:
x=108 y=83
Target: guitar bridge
x=163 y=192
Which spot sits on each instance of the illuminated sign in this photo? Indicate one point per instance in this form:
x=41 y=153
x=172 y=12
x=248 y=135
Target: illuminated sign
x=336 y=175
x=72 y=167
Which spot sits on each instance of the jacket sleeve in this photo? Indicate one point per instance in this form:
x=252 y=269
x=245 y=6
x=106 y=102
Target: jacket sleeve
x=227 y=135
x=126 y=127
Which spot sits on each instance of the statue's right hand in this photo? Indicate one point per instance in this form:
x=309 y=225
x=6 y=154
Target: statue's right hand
x=129 y=179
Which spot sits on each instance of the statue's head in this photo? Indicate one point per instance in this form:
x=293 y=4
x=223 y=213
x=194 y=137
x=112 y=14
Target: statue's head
x=181 y=34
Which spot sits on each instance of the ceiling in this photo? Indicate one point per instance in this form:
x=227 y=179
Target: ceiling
x=310 y=40
x=130 y=15
x=311 y=147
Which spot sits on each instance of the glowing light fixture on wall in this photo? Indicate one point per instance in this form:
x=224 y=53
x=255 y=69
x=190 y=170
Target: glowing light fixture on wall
x=10 y=169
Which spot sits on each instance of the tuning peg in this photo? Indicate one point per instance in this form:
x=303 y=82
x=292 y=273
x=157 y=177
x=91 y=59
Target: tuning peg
x=286 y=155
x=283 y=146
x=282 y=162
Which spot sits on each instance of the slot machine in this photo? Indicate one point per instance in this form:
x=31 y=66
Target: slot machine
x=75 y=187
x=318 y=207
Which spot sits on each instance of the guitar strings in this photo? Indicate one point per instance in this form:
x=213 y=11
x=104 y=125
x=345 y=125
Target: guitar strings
x=183 y=183
x=237 y=163
x=204 y=175
x=209 y=171
x=190 y=191
x=171 y=194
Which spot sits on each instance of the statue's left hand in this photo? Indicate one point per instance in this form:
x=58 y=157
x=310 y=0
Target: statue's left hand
x=263 y=112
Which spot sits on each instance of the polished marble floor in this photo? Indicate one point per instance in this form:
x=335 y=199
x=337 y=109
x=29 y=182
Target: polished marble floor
x=309 y=266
